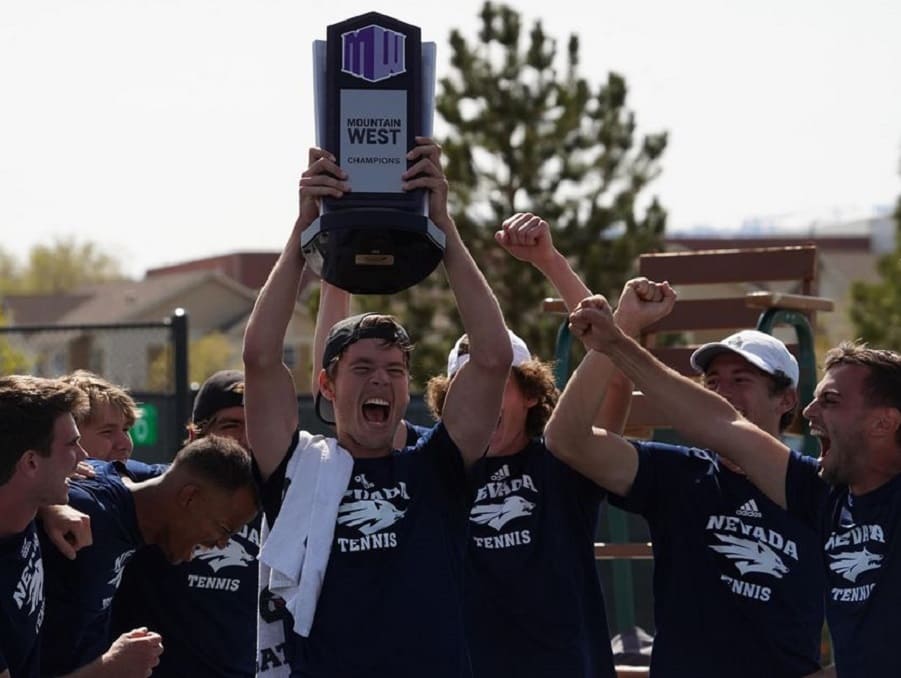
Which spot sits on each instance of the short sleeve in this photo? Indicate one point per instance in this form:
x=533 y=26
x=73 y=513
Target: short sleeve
x=660 y=468
x=806 y=493
x=272 y=490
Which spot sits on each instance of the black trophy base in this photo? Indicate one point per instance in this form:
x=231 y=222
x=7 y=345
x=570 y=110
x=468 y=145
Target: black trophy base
x=373 y=250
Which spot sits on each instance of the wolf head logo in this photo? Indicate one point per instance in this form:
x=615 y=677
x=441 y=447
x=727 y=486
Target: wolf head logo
x=498 y=515
x=370 y=515
x=851 y=565
x=29 y=593
x=119 y=568
x=232 y=555
x=751 y=556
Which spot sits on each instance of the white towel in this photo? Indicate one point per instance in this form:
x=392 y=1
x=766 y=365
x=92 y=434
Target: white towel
x=298 y=547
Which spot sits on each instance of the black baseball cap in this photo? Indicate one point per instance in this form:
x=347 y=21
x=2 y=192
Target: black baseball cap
x=222 y=389
x=346 y=332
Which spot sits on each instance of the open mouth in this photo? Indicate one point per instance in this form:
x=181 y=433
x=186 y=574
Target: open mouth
x=376 y=410
x=825 y=442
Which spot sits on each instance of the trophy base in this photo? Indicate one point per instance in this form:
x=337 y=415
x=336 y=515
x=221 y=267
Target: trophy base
x=372 y=250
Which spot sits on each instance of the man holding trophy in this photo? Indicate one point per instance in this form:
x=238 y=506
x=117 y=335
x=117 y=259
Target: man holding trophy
x=390 y=524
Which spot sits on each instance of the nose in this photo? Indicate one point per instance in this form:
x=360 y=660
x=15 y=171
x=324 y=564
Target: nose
x=379 y=376
x=80 y=454
x=810 y=410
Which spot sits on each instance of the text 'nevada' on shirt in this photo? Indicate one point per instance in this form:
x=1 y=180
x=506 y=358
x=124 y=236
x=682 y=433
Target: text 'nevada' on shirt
x=859 y=538
x=534 y=607
x=391 y=598
x=214 y=595
x=80 y=592
x=21 y=603
x=738 y=582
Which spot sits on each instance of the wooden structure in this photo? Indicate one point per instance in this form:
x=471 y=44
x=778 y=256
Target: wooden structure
x=720 y=292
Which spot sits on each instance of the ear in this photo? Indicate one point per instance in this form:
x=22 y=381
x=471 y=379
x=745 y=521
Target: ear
x=186 y=494
x=886 y=421
x=326 y=385
x=28 y=464
x=788 y=400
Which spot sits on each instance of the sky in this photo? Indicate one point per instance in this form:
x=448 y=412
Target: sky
x=165 y=130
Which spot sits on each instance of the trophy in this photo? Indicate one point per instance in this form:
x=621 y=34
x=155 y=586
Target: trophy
x=374 y=93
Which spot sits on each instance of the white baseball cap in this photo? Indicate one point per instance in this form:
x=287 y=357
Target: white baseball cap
x=758 y=348
x=456 y=359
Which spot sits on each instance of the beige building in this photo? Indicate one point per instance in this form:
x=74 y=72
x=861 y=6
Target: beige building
x=216 y=305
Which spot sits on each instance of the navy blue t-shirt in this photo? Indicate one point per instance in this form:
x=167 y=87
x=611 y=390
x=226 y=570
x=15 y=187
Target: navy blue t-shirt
x=21 y=603
x=860 y=538
x=80 y=592
x=415 y=432
x=391 y=599
x=214 y=595
x=738 y=582
x=534 y=606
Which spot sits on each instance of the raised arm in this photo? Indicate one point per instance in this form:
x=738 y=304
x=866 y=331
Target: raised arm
x=700 y=416
x=528 y=237
x=473 y=401
x=641 y=303
x=269 y=394
x=570 y=435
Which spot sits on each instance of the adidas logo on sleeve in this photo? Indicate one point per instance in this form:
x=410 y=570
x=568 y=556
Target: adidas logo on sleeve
x=749 y=510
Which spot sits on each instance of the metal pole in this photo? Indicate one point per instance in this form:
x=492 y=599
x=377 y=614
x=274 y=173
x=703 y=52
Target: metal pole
x=180 y=373
x=806 y=362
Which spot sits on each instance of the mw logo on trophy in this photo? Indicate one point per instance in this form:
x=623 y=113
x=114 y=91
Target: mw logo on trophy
x=374 y=86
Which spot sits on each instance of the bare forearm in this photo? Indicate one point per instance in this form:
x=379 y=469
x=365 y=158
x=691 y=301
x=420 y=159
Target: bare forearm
x=479 y=311
x=561 y=275
x=679 y=397
x=577 y=409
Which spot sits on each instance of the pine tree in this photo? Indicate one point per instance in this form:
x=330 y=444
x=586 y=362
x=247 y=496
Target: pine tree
x=876 y=308
x=525 y=138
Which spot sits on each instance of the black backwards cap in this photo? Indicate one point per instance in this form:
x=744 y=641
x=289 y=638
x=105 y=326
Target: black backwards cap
x=343 y=334
x=222 y=389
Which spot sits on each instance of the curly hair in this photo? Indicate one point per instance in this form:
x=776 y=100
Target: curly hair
x=535 y=380
x=100 y=391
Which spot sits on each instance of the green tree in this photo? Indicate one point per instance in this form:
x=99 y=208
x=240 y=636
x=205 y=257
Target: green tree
x=876 y=308
x=211 y=353
x=207 y=354
x=525 y=137
x=12 y=361
x=10 y=276
x=65 y=265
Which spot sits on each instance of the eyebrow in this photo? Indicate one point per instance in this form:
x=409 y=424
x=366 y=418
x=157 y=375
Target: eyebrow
x=369 y=362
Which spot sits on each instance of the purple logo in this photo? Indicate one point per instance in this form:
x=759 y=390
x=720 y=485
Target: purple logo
x=373 y=53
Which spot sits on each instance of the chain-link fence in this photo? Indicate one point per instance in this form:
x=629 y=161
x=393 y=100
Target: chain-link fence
x=149 y=359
